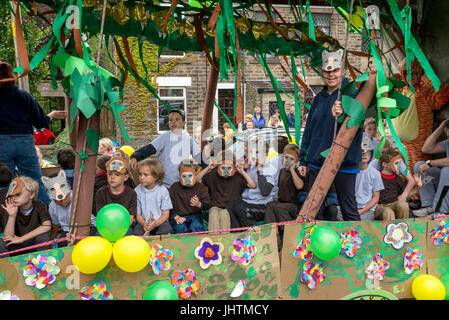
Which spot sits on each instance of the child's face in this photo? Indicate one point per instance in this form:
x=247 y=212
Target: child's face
x=371 y=129
x=23 y=198
x=116 y=179
x=175 y=121
x=366 y=156
x=146 y=179
x=249 y=125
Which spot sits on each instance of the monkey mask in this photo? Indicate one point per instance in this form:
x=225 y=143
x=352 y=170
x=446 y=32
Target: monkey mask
x=187 y=176
x=226 y=170
x=118 y=164
x=394 y=163
x=288 y=158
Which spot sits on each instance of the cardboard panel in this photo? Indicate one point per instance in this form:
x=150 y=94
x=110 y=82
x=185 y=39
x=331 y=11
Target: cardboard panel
x=262 y=275
x=345 y=275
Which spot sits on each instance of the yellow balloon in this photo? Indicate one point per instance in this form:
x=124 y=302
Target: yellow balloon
x=92 y=254
x=131 y=253
x=428 y=287
x=128 y=150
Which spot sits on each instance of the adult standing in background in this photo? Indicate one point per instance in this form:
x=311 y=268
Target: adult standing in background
x=19 y=113
x=258 y=118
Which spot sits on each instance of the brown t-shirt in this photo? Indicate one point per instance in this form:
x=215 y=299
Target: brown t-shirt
x=287 y=192
x=128 y=199
x=180 y=198
x=222 y=190
x=393 y=187
x=29 y=222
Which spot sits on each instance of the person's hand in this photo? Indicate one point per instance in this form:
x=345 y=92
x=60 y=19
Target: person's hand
x=443 y=124
x=10 y=207
x=180 y=220
x=260 y=163
x=422 y=168
x=402 y=197
x=292 y=166
x=148 y=227
x=57 y=114
x=133 y=163
x=361 y=211
x=212 y=165
x=302 y=171
x=12 y=240
x=239 y=168
x=418 y=180
x=337 y=110
x=195 y=201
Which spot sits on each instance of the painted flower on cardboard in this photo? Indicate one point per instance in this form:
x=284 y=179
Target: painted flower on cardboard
x=313 y=274
x=160 y=258
x=208 y=253
x=185 y=283
x=350 y=242
x=377 y=267
x=412 y=260
x=96 y=292
x=397 y=235
x=440 y=234
x=244 y=250
x=303 y=250
x=7 y=295
x=40 y=271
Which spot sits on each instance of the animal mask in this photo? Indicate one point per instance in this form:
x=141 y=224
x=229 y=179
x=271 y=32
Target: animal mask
x=118 y=164
x=226 y=170
x=187 y=177
x=365 y=144
x=15 y=187
x=288 y=158
x=58 y=187
x=394 y=163
x=120 y=153
x=332 y=60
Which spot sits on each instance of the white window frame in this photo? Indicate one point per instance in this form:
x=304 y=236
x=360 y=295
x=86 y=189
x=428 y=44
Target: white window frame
x=184 y=97
x=169 y=56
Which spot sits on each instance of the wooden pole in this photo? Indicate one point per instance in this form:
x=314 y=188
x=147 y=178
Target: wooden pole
x=206 y=122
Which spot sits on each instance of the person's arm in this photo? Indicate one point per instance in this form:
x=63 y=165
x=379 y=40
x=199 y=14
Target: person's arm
x=45 y=227
x=408 y=188
x=264 y=186
x=250 y=183
x=11 y=210
x=431 y=145
x=299 y=184
x=205 y=171
x=372 y=203
x=54 y=231
x=140 y=219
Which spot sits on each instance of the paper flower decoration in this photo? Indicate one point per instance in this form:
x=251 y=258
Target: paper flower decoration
x=244 y=250
x=303 y=251
x=440 y=234
x=160 y=258
x=40 y=271
x=412 y=260
x=377 y=267
x=208 y=253
x=96 y=292
x=350 y=242
x=238 y=289
x=397 y=235
x=185 y=283
x=6 y=295
x=313 y=274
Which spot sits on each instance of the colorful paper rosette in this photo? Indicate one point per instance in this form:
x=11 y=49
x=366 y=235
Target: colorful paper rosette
x=350 y=242
x=185 y=283
x=160 y=258
x=397 y=235
x=244 y=250
x=96 y=292
x=40 y=271
x=376 y=269
x=303 y=250
x=313 y=273
x=440 y=234
x=412 y=260
x=7 y=295
x=209 y=253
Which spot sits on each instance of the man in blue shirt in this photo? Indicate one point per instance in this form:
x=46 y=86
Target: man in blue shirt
x=258 y=118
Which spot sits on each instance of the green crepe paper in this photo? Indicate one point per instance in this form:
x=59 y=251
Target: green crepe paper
x=412 y=48
x=92 y=138
x=354 y=109
x=325 y=153
x=224 y=116
x=297 y=105
x=82 y=156
x=311 y=26
x=38 y=57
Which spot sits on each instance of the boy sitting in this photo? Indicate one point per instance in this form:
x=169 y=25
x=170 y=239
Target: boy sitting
x=368 y=184
x=251 y=209
x=117 y=191
x=389 y=207
x=25 y=220
x=189 y=198
x=59 y=191
x=286 y=208
x=225 y=181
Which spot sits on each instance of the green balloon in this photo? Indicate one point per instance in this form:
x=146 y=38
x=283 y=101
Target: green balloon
x=325 y=243
x=445 y=280
x=113 y=221
x=160 y=290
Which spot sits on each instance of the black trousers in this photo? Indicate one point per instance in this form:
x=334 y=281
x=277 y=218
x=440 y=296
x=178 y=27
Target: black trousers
x=244 y=214
x=44 y=237
x=345 y=187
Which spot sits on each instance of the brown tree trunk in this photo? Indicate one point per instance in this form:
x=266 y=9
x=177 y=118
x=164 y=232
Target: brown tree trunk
x=206 y=122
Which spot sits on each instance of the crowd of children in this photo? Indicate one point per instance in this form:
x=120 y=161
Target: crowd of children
x=176 y=193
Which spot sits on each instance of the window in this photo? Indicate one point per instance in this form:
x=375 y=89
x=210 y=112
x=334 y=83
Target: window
x=173 y=96
x=322 y=22
x=377 y=41
x=273 y=107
